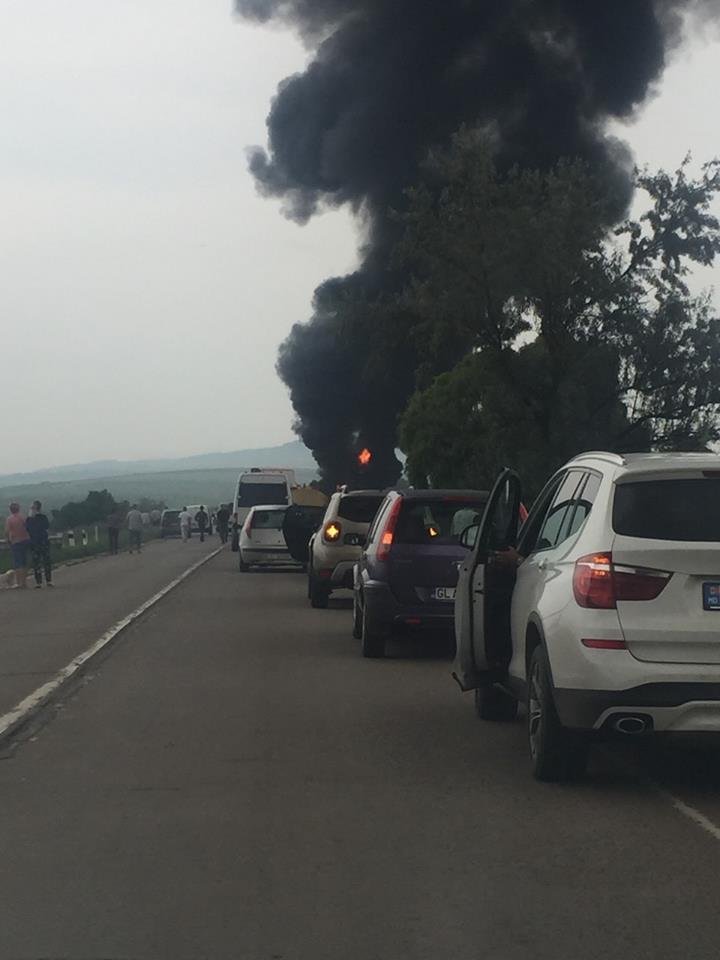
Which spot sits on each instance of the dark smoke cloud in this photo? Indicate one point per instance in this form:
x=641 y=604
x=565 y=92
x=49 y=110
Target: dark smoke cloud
x=391 y=78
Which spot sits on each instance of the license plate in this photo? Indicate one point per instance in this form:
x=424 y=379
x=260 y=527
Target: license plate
x=711 y=596
x=443 y=593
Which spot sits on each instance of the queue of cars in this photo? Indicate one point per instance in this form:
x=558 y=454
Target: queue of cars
x=599 y=611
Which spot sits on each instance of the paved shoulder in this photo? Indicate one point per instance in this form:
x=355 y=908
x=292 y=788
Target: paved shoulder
x=43 y=630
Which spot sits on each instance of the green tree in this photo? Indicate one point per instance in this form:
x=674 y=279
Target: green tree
x=576 y=335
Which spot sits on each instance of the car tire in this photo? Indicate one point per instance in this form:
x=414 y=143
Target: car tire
x=494 y=704
x=244 y=567
x=357 y=618
x=556 y=753
x=319 y=594
x=373 y=640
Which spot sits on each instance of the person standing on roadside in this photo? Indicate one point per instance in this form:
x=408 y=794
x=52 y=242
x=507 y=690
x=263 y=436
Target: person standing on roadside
x=135 y=528
x=38 y=527
x=114 y=523
x=202 y=519
x=222 y=518
x=19 y=540
x=185 y=524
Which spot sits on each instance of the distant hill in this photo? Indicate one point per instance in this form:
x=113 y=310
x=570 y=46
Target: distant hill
x=293 y=454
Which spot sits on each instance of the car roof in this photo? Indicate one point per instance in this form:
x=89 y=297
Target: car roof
x=443 y=494
x=651 y=462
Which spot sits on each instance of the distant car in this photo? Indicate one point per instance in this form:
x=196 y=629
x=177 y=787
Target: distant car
x=262 y=541
x=337 y=545
x=195 y=508
x=606 y=619
x=406 y=576
x=170 y=523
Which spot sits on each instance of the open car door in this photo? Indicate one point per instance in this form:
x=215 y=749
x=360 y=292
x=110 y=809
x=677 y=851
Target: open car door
x=482 y=604
x=299 y=525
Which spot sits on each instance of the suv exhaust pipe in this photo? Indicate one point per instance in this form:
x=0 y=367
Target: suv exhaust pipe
x=632 y=726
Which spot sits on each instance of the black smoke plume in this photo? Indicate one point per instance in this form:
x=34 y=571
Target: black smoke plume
x=390 y=79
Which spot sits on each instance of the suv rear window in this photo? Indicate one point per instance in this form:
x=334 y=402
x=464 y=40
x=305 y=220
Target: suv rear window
x=359 y=509
x=668 y=510
x=436 y=521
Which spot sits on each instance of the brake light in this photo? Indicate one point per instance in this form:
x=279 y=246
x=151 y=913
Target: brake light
x=598 y=583
x=332 y=531
x=388 y=534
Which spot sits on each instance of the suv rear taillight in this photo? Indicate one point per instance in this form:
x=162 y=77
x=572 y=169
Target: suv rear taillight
x=332 y=531
x=388 y=532
x=598 y=583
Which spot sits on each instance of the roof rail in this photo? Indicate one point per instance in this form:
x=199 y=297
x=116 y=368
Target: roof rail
x=615 y=458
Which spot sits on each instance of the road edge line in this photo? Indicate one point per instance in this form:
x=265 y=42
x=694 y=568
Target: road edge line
x=19 y=715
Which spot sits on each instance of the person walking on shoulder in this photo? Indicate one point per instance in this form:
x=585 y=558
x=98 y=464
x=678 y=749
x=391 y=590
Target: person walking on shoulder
x=135 y=528
x=222 y=518
x=185 y=524
x=202 y=519
x=19 y=540
x=38 y=527
x=114 y=523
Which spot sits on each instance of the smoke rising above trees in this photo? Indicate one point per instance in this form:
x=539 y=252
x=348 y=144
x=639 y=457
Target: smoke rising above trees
x=388 y=81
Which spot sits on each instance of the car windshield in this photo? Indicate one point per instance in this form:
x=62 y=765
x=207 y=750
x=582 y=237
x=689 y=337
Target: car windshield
x=437 y=521
x=268 y=519
x=255 y=494
x=359 y=509
x=669 y=510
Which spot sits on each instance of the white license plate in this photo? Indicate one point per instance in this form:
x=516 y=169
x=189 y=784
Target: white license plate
x=443 y=593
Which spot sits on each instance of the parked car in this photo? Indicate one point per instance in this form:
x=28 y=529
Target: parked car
x=337 y=545
x=609 y=625
x=170 y=523
x=406 y=576
x=262 y=540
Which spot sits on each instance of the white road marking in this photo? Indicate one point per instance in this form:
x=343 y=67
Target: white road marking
x=22 y=712
x=699 y=819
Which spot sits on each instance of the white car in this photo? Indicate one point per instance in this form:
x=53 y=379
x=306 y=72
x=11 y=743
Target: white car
x=607 y=619
x=262 y=540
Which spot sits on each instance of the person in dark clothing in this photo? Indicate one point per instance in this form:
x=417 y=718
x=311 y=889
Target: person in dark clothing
x=114 y=522
x=38 y=527
x=222 y=518
x=201 y=519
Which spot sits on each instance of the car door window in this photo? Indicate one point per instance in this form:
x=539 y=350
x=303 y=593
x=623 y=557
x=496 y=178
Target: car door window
x=554 y=527
x=583 y=503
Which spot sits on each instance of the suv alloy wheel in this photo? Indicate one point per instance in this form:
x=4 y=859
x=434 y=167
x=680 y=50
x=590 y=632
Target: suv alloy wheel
x=556 y=753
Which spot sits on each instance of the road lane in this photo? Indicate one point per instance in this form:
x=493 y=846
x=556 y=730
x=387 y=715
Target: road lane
x=43 y=630
x=234 y=781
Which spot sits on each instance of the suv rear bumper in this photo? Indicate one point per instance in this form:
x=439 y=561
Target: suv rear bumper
x=669 y=707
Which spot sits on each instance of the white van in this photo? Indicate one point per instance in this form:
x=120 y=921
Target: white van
x=260 y=487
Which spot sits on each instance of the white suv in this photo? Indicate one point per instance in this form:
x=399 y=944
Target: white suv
x=606 y=620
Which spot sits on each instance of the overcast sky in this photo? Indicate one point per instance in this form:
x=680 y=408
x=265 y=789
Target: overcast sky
x=144 y=286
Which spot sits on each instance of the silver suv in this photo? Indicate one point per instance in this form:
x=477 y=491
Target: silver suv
x=336 y=547
x=603 y=614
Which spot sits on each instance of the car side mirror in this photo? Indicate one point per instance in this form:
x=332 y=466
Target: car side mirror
x=469 y=536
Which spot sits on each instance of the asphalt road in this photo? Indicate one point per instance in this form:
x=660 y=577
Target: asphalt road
x=234 y=781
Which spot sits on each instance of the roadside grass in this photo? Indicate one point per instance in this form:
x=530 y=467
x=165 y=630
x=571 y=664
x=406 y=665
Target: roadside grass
x=65 y=553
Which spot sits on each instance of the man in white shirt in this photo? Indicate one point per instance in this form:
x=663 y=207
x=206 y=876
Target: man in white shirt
x=135 y=527
x=185 y=524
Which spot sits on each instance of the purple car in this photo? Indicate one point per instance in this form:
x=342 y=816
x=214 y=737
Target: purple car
x=406 y=577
